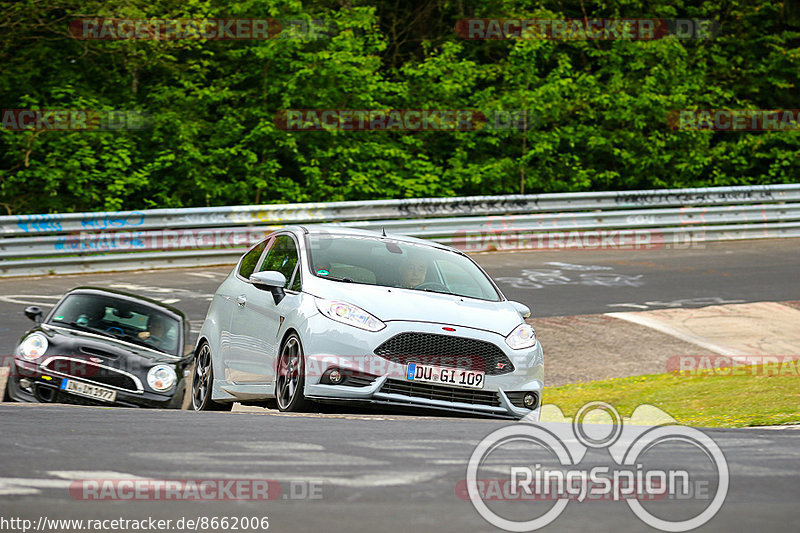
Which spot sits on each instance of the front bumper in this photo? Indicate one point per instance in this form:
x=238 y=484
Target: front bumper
x=378 y=380
x=46 y=387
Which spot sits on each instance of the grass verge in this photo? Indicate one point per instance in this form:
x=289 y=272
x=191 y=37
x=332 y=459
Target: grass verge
x=759 y=395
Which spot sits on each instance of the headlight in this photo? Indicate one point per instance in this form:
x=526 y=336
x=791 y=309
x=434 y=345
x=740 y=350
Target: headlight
x=161 y=378
x=523 y=336
x=349 y=314
x=33 y=347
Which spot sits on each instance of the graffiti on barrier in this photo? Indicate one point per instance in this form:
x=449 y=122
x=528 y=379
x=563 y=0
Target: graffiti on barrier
x=39 y=223
x=121 y=219
x=689 y=197
x=435 y=206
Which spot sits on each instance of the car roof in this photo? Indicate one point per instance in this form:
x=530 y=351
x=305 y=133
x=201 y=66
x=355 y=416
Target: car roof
x=335 y=230
x=131 y=297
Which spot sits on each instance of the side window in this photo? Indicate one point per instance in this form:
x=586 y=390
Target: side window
x=282 y=256
x=250 y=259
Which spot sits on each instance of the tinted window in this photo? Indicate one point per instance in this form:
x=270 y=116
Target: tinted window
x=128 y=321
x=282 y=257
x=393 y=263
x=250 y=259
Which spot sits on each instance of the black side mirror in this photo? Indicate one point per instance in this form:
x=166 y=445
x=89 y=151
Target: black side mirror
x=34 y=312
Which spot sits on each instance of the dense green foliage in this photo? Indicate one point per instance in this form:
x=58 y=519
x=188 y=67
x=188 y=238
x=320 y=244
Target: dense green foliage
x=598 y=108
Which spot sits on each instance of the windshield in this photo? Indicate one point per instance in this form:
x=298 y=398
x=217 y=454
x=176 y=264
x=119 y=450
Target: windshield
x=119 y=319
x=391 y=263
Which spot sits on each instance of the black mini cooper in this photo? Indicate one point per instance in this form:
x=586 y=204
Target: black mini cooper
x=103 y=347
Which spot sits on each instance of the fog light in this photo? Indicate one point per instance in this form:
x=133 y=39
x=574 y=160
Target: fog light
x=335 y=376
x=25 y=383
x=530 y=400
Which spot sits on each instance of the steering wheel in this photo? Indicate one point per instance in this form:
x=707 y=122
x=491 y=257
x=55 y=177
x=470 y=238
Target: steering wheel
x=433 y=285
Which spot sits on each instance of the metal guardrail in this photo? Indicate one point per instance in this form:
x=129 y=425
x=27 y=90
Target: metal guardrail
x=163 y=238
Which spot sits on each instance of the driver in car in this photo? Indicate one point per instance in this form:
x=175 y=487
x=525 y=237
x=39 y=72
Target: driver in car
x=156 y=332
x=413 y=272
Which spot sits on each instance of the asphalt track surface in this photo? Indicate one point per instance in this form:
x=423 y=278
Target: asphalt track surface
x=378 y=470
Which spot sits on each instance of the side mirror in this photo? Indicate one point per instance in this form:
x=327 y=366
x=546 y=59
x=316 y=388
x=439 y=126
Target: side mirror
x=34 y=312
x=272 y=281
x=522 y=309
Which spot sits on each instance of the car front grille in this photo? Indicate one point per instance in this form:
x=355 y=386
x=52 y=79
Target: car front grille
x=445 y=350
x=92 y=373
x=439 y=392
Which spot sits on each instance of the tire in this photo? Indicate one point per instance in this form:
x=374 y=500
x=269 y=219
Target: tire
x=290 y=378
x=177 y=401
x=6 y=394
x=202 y=381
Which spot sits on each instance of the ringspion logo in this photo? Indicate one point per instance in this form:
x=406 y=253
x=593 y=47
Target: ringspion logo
x=544 y=470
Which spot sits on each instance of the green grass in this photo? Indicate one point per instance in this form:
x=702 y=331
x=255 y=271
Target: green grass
x=762 y=396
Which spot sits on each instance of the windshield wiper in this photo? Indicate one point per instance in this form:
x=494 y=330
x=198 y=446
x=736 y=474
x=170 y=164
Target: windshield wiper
x=88 y=328
x=437 y=292
x=334 y=278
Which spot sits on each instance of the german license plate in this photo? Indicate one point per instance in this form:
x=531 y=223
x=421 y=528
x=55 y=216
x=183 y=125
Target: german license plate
x=456 y=377
x=90 y=391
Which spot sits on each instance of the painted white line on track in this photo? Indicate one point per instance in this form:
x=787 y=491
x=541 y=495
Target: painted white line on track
x=29 y=299
x=207 y=275
x=92 y=474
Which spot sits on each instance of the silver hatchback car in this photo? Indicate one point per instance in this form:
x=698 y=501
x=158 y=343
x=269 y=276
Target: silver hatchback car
x=315 y=314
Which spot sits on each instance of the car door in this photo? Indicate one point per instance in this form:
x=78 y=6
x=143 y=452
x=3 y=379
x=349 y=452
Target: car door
x=225 y=312
x=256 y=323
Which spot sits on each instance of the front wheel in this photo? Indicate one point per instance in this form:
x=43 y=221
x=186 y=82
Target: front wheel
x=291 y=376
x=6 y=392
x=202 y=383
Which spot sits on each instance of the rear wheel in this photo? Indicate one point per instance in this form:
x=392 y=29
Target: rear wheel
x=291 y=376
x=202 y=382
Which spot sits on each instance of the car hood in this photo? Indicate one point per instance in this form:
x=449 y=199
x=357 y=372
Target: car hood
x=390 y=304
